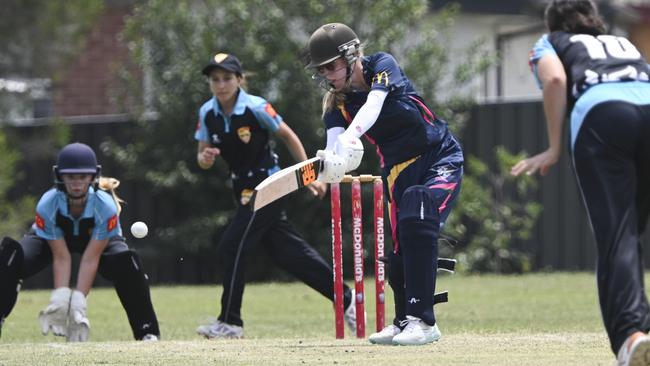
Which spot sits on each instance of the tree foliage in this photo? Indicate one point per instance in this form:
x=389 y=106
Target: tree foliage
x=495 y=211
x=14 y=213
x=172 y=41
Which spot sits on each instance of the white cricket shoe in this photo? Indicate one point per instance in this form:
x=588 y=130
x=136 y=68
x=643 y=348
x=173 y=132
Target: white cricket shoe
x=150 y=338
x=219 y=329
x=350 y=314
x=385 y=336
x=635 y=354
x=417 y=333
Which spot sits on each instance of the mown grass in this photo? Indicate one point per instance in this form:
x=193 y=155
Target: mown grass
x=538 y=319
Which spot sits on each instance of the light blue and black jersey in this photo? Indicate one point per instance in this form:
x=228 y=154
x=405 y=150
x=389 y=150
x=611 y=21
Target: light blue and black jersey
x=98 y=221
x=243 y=136
x=406 y=127
x=598 y=68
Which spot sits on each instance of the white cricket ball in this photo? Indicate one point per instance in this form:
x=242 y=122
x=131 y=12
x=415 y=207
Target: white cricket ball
x=139 y=229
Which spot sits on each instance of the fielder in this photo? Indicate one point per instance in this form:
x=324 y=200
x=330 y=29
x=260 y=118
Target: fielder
x=237 y=126
x=601 y=81
x=422 y=166
x=80 y=214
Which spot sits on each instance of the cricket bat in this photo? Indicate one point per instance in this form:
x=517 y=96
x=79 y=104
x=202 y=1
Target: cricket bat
x=284 y=182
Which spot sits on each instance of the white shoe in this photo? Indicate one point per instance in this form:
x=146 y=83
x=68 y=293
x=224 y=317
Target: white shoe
x=219 y=329
x=350 y=314
x=385 y=336
x=636 y=354
x=150 y=338
x=417 y=333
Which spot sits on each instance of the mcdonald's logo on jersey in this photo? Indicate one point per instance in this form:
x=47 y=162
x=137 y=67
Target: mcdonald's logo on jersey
x=381 y=77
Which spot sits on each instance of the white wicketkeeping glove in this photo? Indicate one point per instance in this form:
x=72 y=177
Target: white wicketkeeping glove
x=55 y=316
x=78 y=324
x=333 y=167
x=350 y=148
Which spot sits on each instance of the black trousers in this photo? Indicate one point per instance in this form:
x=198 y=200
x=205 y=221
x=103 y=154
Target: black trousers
x=612 y=163
x=271 y=232
x=117 y=264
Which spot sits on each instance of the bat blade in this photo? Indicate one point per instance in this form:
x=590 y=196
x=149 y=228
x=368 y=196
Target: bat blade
x=284 y=182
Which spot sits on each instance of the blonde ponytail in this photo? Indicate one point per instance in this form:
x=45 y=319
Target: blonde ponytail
x=110 y=185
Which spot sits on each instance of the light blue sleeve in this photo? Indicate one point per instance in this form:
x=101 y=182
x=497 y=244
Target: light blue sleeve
x=268 y=118
x=541 y=48
x=201 y=133
x=45 y=222
x=107 y=222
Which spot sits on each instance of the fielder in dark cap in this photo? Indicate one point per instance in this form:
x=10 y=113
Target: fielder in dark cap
x=224 y=61
x=237 y=127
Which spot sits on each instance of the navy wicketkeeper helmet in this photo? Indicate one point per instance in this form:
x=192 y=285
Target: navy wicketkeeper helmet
x=75 y=158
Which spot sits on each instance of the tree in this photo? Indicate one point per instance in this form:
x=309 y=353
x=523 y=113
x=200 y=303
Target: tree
x=172 y=41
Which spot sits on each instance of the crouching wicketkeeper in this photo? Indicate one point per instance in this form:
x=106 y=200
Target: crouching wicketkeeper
x=80 y=214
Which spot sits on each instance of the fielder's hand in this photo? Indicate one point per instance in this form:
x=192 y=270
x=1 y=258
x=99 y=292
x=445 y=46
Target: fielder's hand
x=318 y=188
x=78 y=324
x=333 y=167
x=54 y=317
x=350 y=149
x=207 y=156
x=541 y=162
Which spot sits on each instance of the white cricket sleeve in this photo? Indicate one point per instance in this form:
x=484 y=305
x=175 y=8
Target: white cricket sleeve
x=368 y=113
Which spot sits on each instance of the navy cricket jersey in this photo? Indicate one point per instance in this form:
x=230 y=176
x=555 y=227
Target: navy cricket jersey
x=242 y=137
x=405 y=127
x=99 y=220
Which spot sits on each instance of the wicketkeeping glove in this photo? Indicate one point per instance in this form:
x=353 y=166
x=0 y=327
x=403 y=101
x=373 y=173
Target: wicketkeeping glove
x=55 y=316
x=333 y=167
x=78 y=324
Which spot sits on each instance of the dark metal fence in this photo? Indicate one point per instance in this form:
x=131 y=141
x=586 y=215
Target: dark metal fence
x=562 y=239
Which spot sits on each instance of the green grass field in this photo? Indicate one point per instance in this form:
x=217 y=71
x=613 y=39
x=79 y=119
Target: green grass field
x=540 y=319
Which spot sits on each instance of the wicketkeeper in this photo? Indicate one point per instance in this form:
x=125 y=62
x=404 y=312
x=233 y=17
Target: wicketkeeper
x=80 y=214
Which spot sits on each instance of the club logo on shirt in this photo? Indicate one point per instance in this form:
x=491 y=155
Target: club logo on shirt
x=40 y=223
x=381 y=77
x=269 y=109
x=112 y=223
x=244 y=134
x=246 y=195
x=215 y=139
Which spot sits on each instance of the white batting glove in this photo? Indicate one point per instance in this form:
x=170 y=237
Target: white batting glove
x=78 y=324
x=350 y=148
x=333 y=167
x=55 y=316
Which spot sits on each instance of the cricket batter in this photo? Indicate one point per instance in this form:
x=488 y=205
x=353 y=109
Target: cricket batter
x=422 y=165
x=601 y=82
x=237 y=126
x=80 y=214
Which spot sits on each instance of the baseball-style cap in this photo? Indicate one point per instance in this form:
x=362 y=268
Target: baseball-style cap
x=225 y=61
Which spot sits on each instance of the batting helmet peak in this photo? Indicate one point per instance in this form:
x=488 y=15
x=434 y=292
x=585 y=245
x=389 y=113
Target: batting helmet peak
x=330 y=42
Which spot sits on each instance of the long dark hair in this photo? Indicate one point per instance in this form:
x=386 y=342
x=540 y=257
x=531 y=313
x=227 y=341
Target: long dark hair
x=574 y=16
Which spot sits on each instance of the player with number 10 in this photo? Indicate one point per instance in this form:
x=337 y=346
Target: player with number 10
x=601 y=82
